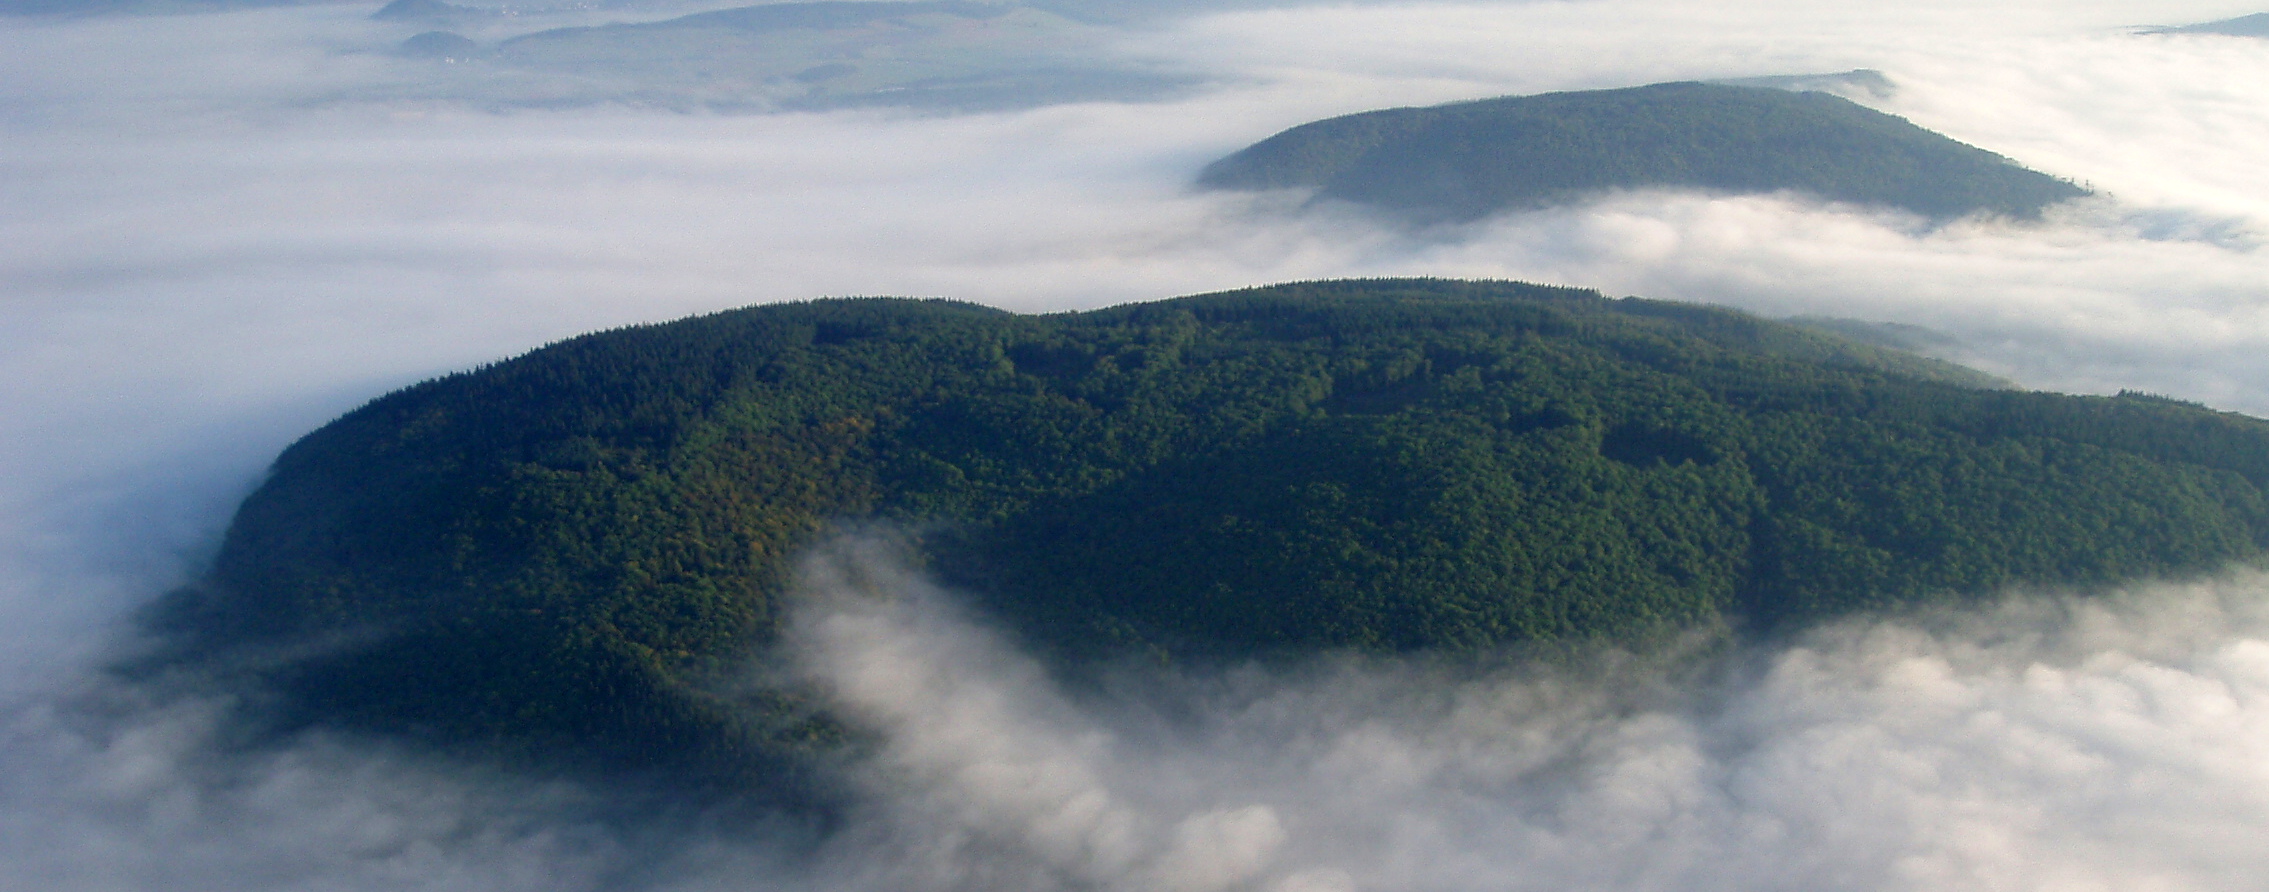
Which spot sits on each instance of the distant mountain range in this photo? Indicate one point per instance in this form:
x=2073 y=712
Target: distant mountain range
x=66 y=8
x=431 y=11
x=2255 y=25
x=945 y=54
x=1467 y=160
x=1857 y=82
x=573 y=554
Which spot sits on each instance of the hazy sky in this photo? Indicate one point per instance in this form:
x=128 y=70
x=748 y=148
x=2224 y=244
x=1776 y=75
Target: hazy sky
x=216 y=232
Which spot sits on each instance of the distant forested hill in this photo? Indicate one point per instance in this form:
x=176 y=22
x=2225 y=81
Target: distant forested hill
x=1470 y=159
x=569 y=552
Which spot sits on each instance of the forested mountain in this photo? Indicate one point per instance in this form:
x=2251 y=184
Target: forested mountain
x=1467 y=160
x=568 y=553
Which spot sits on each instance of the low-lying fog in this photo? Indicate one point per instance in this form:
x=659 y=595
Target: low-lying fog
x=219 y=230
x=2118 y=743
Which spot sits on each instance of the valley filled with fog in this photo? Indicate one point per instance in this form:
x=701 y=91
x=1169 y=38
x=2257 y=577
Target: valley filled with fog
x=221 y=227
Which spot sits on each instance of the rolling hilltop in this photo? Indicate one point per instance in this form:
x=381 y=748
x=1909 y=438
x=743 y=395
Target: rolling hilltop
x=1468 y=160
x=572 y=553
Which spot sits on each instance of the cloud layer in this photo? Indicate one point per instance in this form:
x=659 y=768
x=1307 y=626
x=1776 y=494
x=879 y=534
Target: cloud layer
x=2039 y=743
x=2044 y=743
x=217 y=174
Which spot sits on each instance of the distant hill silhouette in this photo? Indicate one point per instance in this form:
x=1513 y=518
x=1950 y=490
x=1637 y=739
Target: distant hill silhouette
x=819 y=15
x=1468 y=160
x=936 y=54
x=439 y=45
x=73 y=8
x=425 y=11
x=2255 y=25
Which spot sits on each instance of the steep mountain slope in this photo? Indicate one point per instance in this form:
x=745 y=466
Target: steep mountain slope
x=573 y=552
x=1471 y=159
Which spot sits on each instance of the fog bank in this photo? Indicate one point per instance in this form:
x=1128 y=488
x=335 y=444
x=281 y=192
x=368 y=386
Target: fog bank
x=236 y=176
x=2042 y=742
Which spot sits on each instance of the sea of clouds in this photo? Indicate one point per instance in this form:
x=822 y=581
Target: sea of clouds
x=219 y=230
x=2041 y=743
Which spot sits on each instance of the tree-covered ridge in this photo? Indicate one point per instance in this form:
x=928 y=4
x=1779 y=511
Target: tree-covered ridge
x=566 y=551
x=1470 y=159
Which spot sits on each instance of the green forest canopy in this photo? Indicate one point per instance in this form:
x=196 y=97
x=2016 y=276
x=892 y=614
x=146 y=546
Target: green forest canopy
x=563 y=552
x=1467 y=160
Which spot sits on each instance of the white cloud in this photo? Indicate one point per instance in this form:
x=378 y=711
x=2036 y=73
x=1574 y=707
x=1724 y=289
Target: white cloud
x=2042 y=742
x=2045 y=743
